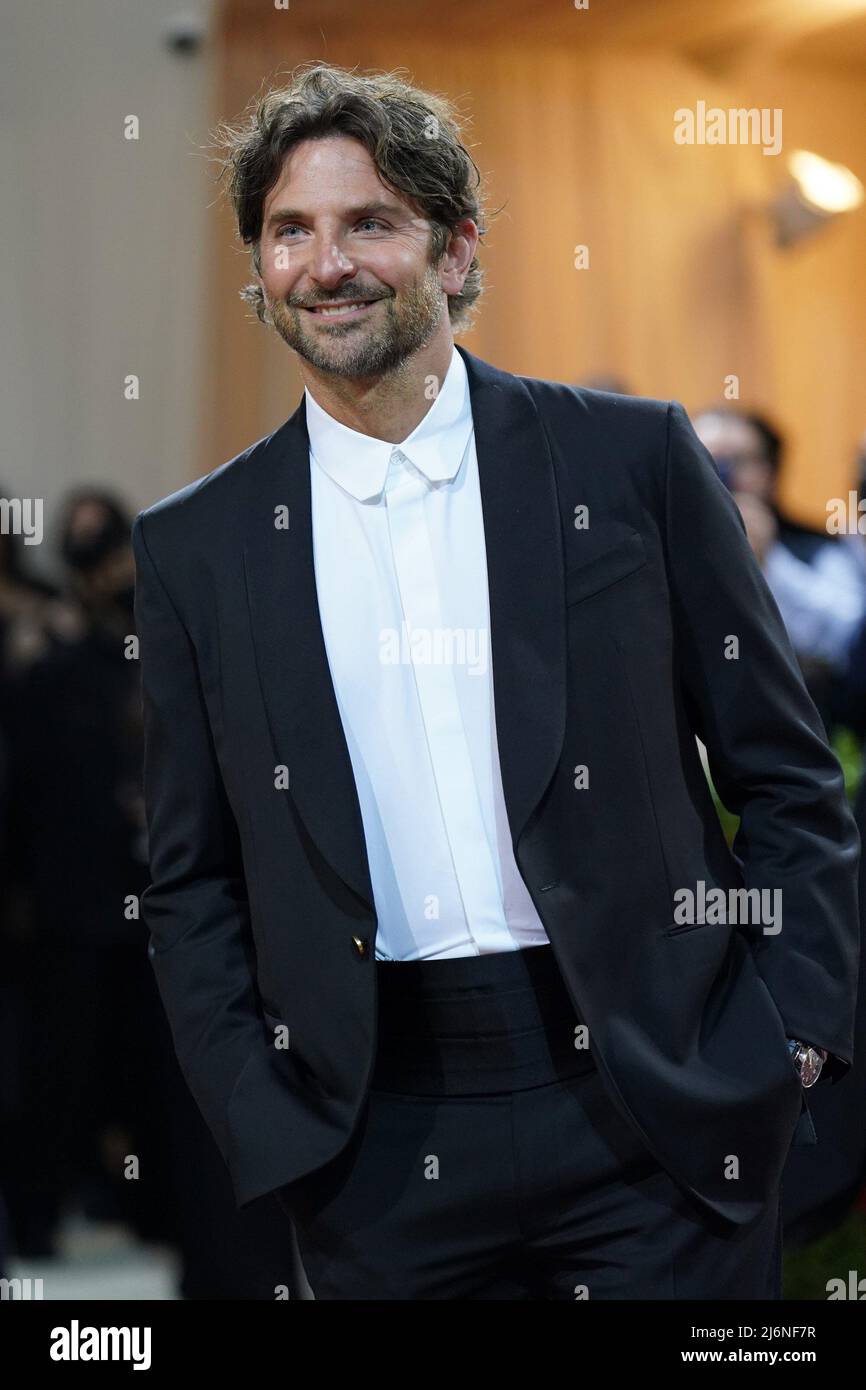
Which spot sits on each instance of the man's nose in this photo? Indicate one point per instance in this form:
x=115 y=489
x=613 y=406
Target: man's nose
x=330 y=262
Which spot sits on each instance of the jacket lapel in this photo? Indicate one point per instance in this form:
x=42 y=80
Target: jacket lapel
x=527 y=615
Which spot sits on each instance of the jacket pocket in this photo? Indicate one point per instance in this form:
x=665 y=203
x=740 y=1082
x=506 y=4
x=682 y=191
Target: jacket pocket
x=600 y=571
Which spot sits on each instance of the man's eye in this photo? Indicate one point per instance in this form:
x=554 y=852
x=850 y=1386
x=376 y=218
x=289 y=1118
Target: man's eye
x=365 y=222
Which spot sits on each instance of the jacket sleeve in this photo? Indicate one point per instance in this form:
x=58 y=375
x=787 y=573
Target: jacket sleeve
x=767 y=752
x=195 y=907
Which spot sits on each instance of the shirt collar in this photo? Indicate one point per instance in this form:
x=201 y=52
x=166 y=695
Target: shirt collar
x=359 y=463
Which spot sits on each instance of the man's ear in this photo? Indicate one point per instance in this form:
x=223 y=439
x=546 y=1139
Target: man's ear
x=256 y=274
x=256 y=259
x=457 y=257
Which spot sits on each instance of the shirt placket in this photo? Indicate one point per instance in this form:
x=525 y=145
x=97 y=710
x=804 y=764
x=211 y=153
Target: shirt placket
x=459 y=802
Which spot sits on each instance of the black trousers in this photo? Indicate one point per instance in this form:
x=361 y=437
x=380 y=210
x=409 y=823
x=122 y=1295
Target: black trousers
x=490 y=1163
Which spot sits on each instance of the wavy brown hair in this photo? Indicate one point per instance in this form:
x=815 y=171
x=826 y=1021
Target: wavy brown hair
x=414 y=137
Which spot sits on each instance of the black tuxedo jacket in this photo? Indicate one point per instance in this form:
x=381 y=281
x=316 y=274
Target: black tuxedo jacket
x=611 y=649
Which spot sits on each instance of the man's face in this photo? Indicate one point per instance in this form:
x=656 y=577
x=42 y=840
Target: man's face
x=114 y=573
x=332 y=232
x=738 y=450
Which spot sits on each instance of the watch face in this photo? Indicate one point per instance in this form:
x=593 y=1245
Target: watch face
x=811 y=1066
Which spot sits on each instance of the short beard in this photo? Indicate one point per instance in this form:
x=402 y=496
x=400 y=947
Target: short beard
x=409 y=325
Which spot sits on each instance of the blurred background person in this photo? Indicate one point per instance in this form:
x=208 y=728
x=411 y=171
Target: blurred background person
x=849 y=689
x=86 y=1009
x=818 y=584
x=27 y=609
x=97 y=1081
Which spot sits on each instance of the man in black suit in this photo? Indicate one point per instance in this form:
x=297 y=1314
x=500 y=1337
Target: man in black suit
x=457 y=960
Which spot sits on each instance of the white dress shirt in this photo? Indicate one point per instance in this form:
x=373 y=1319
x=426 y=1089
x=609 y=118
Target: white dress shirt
x=401 y=578
x=823 y=603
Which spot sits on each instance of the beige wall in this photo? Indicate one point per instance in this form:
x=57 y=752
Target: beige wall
x=103 y=271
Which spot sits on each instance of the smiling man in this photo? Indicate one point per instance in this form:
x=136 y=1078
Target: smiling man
x=354 y=278
x=416 y=919
x=357 y=325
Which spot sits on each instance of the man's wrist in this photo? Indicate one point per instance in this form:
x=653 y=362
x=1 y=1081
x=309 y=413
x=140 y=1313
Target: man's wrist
x=808 y=1060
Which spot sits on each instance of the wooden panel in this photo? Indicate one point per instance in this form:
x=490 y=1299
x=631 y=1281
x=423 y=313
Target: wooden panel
x=685 y=286
x=719 y=28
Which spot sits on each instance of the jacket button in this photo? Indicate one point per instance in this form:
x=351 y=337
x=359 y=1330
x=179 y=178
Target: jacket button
x=361 y=944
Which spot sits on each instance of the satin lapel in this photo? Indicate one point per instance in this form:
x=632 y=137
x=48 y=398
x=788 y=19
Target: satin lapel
x=306 y=728
x=526 y=583
x=527 y=618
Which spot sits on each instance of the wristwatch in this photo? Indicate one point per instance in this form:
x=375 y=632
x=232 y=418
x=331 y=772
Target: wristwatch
x=807 y=1059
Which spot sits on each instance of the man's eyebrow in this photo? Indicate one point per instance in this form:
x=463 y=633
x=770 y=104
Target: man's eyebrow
x=365 y=209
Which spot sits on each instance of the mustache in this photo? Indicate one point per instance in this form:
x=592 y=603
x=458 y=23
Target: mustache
x=335 y=299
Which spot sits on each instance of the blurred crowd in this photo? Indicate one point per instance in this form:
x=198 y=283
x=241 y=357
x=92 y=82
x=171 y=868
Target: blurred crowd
x=95 y=1116
x=94 y=1113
